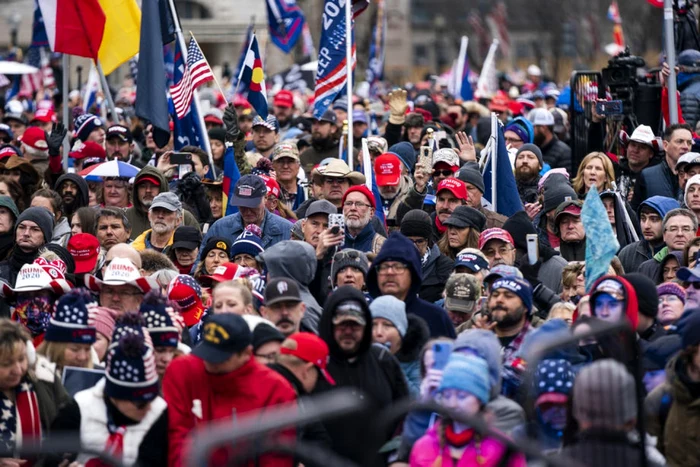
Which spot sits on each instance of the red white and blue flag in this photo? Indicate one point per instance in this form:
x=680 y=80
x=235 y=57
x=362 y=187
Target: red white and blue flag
x=197 y=72
x=286 y=22
x=253 y=78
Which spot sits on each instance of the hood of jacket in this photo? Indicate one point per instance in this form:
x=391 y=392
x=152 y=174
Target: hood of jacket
x=631 y=304
x=660 y=204
x=417 y=334
x=293 y=259
x=82 y=187
x=397 y=248
x=325 y=330
x=148 y=171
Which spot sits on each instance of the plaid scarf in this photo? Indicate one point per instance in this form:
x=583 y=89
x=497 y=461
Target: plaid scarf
x=20 y=414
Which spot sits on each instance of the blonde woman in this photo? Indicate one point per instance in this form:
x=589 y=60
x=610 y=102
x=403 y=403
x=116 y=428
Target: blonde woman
x=595 y=169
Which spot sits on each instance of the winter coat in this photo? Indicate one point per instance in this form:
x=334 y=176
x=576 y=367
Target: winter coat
x=61 y=233
x=296 y=260
x=417 y=334
x=487 y=452
x=602 y=448
x=274 y=228
x=50 y=394
x=658 y=180
x=550 y=273
x=528 y=191
x=391 y=206
x=654 y=267
x=252 y=387
x=138 y=213
x=690 y=97
x=493 y=219
x=633 y=255
x=399 y=248
x=673 y=415
x=143 y=241
x=573 y=251
x=367 y=241
x=434 y=275
x=373 y=371
x=557 y=154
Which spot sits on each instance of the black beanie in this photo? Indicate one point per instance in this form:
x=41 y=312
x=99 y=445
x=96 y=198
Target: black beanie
x=42 y=217
x=556 y=194
x=64 y=255
x=518 y=226
x=349 y=258
x=533 y=149
x=647 y=297
x=417 y=223
x=265 y=333
x=472 y=176
x=218 y=134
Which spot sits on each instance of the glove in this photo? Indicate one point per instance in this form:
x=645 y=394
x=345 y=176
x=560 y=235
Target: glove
x=55 y=140
x=233 y=132
x=397 y=107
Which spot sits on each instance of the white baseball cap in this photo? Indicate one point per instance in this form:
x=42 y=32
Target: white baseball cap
x=541 y=117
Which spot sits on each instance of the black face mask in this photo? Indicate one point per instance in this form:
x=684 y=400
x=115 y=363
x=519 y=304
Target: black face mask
x=539 y=139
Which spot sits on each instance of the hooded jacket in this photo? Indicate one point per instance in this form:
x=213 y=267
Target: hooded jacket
x=372 y=370
x=434 y=275
x=654 y=267
x=631 y=303
x=296 y=260
x=399 y=248
x=83 y=191
x=138 y=213
x=633 y=255
x=417 y=334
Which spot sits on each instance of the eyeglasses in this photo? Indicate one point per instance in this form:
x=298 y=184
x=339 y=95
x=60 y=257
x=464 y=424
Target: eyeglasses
x=669 y=298
x=393 y=267
x=444 y=173
x=270 y=357
x=513 y=140
x=695 y=285
x=675 y=229
x=357 y=204
x=502 y=251
x=419 y=241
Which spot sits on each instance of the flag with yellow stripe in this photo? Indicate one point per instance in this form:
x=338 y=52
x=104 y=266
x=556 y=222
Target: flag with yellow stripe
x=122 y=33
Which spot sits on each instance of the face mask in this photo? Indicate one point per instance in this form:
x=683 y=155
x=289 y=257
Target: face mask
x=34 y=314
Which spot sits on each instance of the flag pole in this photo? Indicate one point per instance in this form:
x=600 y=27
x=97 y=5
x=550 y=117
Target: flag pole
x=671 y=60
x=195 y=94
x=205 y=59
x=348 y=64
x=107 y=92
x=460 y=66
x=494 y=159
x=240 y=73
x=66 y=114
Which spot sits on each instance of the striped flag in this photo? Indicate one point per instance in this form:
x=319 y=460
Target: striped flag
x=253 y=78
x=197 y=72
x=231 y=176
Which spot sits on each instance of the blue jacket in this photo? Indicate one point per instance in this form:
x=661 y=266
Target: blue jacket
x=399 y=248
x=657 y=180
x=363 y=241
x=689 y=87
x=274 y=229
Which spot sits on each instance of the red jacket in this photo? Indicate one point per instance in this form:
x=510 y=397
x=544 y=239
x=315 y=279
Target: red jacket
x=249 y=388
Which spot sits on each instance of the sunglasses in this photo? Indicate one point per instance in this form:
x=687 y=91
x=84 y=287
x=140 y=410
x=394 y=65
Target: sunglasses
x=695 y=285
x=444 y=173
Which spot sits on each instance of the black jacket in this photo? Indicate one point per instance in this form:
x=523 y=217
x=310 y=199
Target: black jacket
x=604 y=449
x=656 y=180
x=528 y=191
x=372 y=371
x=573 y=251
x=633 y=255
x=435 y=274
x=557 y=154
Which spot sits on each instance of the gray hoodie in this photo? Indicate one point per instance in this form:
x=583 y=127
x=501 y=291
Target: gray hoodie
x=296 y=260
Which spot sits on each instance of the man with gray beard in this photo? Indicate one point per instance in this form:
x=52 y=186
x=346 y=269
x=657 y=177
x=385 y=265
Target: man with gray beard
x=165 y=215
x=358 y=208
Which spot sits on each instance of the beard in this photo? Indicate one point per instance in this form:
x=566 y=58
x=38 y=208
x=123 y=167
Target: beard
x=525 y=174
x=161 y=228
x=358 y=224
x=539 y=139
x=509 y=319
x=319 y=143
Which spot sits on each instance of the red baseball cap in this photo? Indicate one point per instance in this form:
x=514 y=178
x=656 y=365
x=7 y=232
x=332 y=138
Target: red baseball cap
x=310 y=348
x=241 y=101
x=213 y=119
x=361 y=189
x=225 y=272
x=272 y=186
x=455 y=186
x=494 y=234
x=148 y=178
x=387 y=169
x=44 y=116
x=89 y=149
x=34 y=137
x=284 y=98
x=84 y=248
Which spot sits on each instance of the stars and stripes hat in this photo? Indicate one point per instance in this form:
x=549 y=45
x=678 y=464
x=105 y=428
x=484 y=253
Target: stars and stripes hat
x=84 y=125
x=131 y=370
x=130 y=323
x=163 y=323
x=554 y=380
x=187 y=293
x=270 y=123
x=70 y=321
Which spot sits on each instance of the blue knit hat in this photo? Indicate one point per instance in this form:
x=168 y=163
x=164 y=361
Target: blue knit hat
x=404 y=150
x=467 y=373
x=69 y=322
x=519 y=287
x=163 y=324
x=131 y=370
x=127 y=324
x=84 y=125
x=247 y=243
x=391 y=309
x=554 y=378
x=484 y=344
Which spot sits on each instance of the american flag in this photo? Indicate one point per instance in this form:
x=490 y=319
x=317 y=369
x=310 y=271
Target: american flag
x=197 y=72
x=42 y=79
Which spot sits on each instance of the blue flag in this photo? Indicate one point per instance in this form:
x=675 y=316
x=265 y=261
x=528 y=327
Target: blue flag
x=253 y=77
x=507 y=198
x=286 y=22
x=39 y=37
x=601 y=241
x=375 y=69
x=187 y=130
x=231 y=176
x=466 y=91
x=151 y=97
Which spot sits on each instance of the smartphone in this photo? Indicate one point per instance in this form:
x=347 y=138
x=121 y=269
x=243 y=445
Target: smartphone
x=533 y=249
x=336 y=223
x=605 y=108
x=441 y=353
x=181 y=158
x=426 y=159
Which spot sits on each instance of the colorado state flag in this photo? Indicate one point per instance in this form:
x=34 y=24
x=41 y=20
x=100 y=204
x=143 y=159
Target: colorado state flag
x=253 y=78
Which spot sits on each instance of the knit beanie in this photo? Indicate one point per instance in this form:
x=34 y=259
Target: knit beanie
x=518 y=130
x=533 y=149
x=553 y=379
x=163 y=324
x=64 y=254
x=473 y=177
x=131 y=322
x=42 y=217
x=70 y=323
x=669 y=288
x=467 y=373
x=217 y=243
x=555 y=194
x=604 y=395
x=417 y=223
x=84 y=125
x=131 y=370
x=647 y=296
x=348 y=258
x=484 y=344
x=187 y=293
x=247 y=243
x=218 y=134
x=518 y=226
x=391 y=309
x=519 y=287
x=9 y=203
x=694 y=180
x=102 y=319
x=264 y=333
x=365 y=191
x=404 y=150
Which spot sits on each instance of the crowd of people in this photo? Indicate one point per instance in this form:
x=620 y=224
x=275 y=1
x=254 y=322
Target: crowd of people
x=139 y=309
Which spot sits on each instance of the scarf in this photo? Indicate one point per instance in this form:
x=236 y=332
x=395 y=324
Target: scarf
x=458 y=440
x=115 y=443
x=181 y=268
x=438 y=225
x=7 y=240
x=19 y=258
x=22 y=414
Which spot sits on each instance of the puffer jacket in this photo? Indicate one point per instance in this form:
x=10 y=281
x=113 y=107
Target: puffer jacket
x=296 y=260
x=138 y=213
x=557 y=154
x=689 y=87
x=658 y=180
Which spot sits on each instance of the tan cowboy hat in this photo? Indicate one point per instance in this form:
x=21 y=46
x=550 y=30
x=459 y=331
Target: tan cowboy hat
x=337 y=168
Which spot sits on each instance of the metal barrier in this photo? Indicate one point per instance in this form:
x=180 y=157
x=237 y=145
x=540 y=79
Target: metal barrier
x=58 y=444
x=586 y=88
